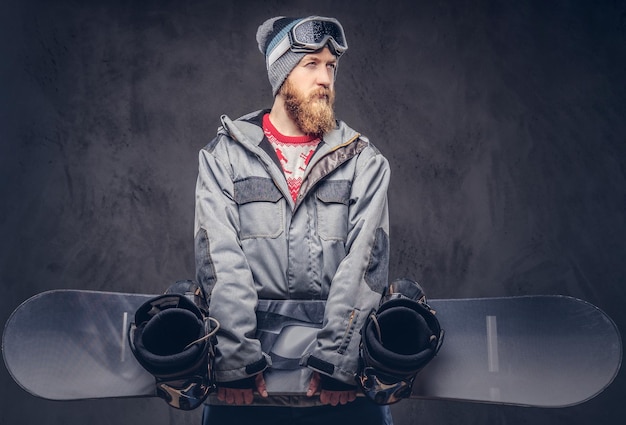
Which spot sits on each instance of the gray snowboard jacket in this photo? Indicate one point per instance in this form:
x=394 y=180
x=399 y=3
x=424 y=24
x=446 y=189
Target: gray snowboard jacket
x=252 y=241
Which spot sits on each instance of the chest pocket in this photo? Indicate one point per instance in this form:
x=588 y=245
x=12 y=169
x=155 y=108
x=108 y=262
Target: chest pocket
x=333 y=199
x=260 y=210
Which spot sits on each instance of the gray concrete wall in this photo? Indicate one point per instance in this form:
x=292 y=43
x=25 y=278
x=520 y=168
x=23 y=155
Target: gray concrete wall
x=504 y=122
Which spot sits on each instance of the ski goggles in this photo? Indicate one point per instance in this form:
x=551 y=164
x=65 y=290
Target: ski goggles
x=310 y=35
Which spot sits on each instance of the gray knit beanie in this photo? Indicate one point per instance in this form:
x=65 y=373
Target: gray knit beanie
x=269 y=34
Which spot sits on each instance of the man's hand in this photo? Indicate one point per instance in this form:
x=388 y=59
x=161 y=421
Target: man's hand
x=241 y=396
x=327 y=396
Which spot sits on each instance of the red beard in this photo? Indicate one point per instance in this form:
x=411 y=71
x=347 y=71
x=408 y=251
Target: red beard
x=313 y=114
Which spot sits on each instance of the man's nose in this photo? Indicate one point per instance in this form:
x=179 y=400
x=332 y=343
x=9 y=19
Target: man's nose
x=325 y=77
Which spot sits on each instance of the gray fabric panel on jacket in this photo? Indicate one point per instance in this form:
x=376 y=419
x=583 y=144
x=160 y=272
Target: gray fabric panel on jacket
x=253 y=189
x=335 y=191
x=204 y=265
x=377 y=273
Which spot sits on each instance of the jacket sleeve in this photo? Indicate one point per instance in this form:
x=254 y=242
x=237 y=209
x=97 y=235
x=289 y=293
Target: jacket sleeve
x=362 y=275
x=223 y=271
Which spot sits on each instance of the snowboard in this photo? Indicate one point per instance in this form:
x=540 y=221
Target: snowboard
x=541 y=351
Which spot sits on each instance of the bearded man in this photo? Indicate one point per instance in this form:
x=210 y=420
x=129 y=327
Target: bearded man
x=291 y=204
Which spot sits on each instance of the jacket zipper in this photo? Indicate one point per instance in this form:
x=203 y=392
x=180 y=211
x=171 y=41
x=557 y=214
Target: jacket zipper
x=345 y=341
x=344 y=159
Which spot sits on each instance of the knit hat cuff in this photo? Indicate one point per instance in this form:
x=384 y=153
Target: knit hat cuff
x=280 y=70
x=278 y=37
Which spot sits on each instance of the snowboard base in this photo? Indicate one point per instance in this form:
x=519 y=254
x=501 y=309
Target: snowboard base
x=542 y=351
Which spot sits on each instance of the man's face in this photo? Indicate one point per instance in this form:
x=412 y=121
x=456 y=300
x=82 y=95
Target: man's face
x=309 y=93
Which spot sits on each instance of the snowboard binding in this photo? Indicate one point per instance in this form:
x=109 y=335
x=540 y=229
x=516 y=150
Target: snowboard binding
x=397 y=341
x=173 y=338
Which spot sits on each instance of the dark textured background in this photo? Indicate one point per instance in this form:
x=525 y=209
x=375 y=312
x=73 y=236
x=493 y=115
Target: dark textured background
x=504 y=122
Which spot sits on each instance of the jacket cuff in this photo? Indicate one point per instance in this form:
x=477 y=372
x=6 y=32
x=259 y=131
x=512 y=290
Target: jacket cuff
x=324 y=367
x=256 y=367
x=320 y=365
x=223 y=377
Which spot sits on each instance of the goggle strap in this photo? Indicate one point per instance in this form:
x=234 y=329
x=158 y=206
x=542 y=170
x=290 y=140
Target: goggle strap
x=278 y=51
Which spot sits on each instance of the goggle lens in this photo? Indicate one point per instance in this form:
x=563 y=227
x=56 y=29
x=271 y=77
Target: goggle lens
x=315 y=33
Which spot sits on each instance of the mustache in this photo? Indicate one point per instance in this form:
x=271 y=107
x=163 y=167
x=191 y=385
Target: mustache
x=321 y=93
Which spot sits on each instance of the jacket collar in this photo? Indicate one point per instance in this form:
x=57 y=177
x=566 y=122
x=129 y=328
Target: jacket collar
x=248 y=129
